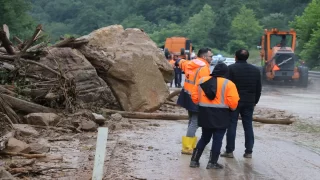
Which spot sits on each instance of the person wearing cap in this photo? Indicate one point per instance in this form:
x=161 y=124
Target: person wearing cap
x=247 y=78
x=216 y=97
x=171 y=61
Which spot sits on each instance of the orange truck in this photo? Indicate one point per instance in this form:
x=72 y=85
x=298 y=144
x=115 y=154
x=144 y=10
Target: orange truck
x=278 y=60
x=180 y=46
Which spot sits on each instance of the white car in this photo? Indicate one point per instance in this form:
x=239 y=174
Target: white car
x=229 y=61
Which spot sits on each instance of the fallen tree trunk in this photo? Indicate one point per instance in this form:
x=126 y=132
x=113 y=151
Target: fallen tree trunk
x=173 y=116
x=141 y=115
x=25 y=106
x=173 y=94
x=6 y=43
x=272 y=120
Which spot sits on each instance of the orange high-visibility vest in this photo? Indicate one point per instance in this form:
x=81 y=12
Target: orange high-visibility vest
x=193 y=70
x=226 y=96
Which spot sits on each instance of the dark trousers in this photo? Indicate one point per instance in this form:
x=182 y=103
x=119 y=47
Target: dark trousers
x=246 y=112
x=217 y=137
x=177 y=77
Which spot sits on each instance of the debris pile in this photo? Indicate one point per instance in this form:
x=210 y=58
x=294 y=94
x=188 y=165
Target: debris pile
x=49 y=90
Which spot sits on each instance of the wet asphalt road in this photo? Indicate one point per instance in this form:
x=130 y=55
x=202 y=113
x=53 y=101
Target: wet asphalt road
x=273 y=158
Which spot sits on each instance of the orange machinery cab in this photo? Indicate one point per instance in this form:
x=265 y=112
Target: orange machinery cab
x=180 y=46
x=278 y=59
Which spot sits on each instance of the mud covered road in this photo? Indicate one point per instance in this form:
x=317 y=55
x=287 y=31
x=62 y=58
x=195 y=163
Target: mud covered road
x=280 y=152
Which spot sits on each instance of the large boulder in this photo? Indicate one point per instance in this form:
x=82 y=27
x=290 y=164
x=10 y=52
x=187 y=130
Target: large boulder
x=131 y=64
x=90 y=89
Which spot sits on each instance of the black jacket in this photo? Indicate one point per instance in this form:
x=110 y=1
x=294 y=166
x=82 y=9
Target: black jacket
x=247 y=78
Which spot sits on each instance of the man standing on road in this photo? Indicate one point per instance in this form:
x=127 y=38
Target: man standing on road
x=247 y=79
x=216 y=97
x=171 y=61
x=193 y=70
x=178 y=73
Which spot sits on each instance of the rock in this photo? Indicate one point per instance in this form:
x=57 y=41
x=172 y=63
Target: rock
x=42 y=119
x=15 y=145
x=26 y=129
x=5 y=175
x=116 y=117
x=90 y=89
x=99 y=119
x=87 y=125
x=132 y=65
x=37 y=148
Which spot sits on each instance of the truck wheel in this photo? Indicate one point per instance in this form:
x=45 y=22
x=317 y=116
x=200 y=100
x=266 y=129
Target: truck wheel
x=304 y=76
x=182 y=51
x=166 y=52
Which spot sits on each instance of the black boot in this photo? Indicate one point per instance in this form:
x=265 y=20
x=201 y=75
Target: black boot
x=213 y=161
x=195 y=158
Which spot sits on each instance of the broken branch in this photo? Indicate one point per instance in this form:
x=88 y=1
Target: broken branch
x=28 y=156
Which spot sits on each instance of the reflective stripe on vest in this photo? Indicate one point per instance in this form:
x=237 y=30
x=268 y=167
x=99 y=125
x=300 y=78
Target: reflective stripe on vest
x=195 y=77
x=223 y=89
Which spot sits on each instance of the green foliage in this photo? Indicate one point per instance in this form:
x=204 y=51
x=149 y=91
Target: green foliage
x=199 y=26
x=135 y=21
x=234 y=45
x=14 y=14
x=168 y=31
x=308 y=32
x=248 y=32
x=275 y=20
x=219 y=24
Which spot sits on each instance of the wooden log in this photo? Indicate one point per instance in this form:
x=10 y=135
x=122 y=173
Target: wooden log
x=174 y=93
x=6 y=91
x=6 y=42
x=9 y=112
x=29 y=156
x=32 y=39
x=25 y=106
x=173 y=116
x=285 y=121
x=37 y=47
x=64 y=42
x=141 y=115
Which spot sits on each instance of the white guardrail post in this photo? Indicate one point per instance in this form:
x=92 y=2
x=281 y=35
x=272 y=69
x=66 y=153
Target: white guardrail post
x=101 y=148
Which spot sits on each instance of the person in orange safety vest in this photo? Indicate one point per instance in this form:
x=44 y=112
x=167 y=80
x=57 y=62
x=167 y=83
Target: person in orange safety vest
x=217 y=97
x=193 y=70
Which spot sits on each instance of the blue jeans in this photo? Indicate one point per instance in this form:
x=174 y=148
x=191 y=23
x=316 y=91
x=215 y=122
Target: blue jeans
x=193 y=124
x=246 y=112
x=217 y=137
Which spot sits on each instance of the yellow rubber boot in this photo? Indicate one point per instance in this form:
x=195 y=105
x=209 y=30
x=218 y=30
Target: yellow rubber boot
x=194 y=142
x=188 y=144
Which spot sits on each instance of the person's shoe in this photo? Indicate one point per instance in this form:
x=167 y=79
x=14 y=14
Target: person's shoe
x=188 y=144
x=213 y=161
x=247 y=155
x=214 y=166
x=194 y=163
x=227 y=155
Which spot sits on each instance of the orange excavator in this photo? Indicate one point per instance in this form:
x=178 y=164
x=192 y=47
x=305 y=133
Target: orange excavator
x=278 y=60
x=179 y=46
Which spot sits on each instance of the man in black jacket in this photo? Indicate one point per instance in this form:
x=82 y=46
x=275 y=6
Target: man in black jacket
x=248 y=81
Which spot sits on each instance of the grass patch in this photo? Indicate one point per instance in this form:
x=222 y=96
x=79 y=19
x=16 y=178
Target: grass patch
x=308 y=128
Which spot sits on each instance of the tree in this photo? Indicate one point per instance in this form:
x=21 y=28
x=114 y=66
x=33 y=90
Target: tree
x=199 y=26
x=14 y=14
x=169 y=31
x=308 y=32
x=245 y=27
x=311 y=50
x=135 y=21
x=275 y=20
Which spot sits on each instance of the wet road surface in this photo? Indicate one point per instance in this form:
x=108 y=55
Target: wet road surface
x=273 y=158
